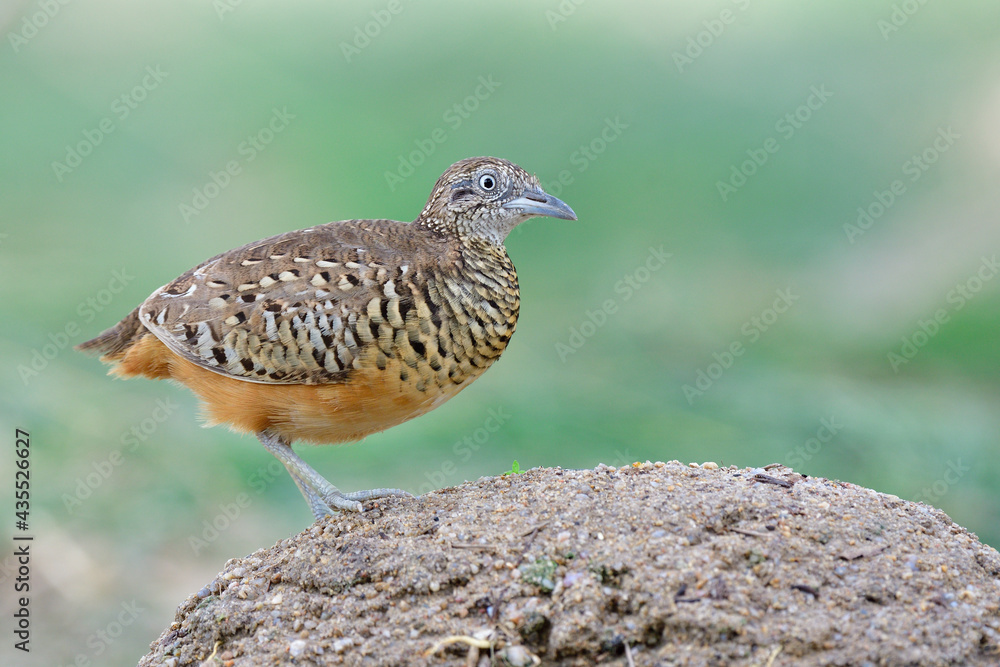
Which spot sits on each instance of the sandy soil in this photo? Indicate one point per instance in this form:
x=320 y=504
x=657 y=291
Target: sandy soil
x=652 y=564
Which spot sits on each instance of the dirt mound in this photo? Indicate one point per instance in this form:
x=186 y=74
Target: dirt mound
x=656 y=563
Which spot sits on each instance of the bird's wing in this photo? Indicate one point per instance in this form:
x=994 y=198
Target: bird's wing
x=298 y=308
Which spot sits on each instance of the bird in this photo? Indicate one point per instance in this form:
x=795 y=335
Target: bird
x=328 y=334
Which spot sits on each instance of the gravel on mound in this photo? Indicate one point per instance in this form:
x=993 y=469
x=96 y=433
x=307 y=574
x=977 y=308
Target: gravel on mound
x=654 y=563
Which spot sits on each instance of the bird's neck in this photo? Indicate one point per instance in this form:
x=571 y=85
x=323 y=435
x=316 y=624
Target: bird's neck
x=480 y=255
x=467 y=233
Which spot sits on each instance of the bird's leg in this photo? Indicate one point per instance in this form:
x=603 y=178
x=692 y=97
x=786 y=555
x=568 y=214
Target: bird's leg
x=322 y=496
x=319 y=508
x=305 y=476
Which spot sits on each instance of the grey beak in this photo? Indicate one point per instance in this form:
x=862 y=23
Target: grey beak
x=537 y=202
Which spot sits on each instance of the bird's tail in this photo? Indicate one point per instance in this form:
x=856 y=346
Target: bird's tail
x=114 y=343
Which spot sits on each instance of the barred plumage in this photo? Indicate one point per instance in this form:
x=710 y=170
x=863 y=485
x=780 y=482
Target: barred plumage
x=384 y=320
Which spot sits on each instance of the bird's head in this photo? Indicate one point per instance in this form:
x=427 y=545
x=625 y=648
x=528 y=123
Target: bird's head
x=486 y=197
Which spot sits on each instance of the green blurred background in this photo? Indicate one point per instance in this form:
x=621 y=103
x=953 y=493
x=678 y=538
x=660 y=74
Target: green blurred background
x=641 y=109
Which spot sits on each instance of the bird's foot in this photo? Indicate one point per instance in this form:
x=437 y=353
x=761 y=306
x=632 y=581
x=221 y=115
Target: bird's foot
x=323 y=497
x=351 y=501
x=371 y=494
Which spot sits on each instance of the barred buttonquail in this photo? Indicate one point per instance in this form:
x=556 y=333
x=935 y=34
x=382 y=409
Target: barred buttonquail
x=331 y=333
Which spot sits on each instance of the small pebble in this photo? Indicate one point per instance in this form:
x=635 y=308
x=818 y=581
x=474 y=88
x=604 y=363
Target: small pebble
x=297 y=648
x=516 y=656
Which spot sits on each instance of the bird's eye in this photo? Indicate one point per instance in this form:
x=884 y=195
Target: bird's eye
x=487 y=182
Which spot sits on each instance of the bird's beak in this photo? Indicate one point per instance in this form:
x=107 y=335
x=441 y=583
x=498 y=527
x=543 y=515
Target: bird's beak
x=537 y=202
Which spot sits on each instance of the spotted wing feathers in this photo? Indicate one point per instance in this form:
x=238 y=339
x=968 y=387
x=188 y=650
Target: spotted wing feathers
x=299 y=308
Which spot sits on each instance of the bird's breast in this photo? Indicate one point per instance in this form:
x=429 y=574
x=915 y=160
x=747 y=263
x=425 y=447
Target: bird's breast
x=466 y=315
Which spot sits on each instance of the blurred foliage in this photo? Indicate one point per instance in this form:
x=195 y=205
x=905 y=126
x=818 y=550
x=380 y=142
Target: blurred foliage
x=631 y=112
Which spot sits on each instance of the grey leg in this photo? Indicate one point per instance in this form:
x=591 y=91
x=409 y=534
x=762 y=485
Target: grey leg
x=316 y=504
x=322 y=496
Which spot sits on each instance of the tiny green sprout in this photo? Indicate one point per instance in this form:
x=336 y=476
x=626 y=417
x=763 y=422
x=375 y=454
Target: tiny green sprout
x=515 y=469
x=541 y=573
